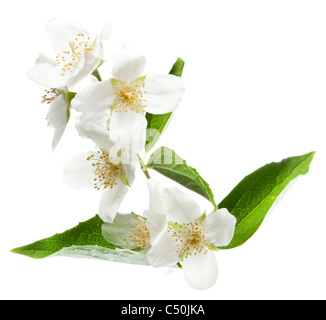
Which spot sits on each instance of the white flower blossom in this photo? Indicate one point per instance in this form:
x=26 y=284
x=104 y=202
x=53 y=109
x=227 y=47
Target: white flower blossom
x=77 y=54
x=181 y=233
x=130 y=92
x=111 y=168
x=77 y=57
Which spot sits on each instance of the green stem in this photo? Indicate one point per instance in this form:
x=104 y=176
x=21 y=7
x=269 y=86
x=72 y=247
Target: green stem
x=97 y=75
x=143 y=167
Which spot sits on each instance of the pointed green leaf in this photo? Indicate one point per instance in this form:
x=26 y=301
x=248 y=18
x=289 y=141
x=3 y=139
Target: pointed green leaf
x=177 y=68
x=165 y=161
x=84 y=240
x=156 y=123
x=254 y=196
x=86 y=233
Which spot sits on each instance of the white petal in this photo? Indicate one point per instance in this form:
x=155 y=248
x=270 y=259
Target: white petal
x=58 y=113
x=58 y=118
x=164 y=93
x=57 y=136
x=130 y=127
x=200 y=270
x=98 y=48
x=78 y=172
x=128 y=64
x=158 y=200
x=43 y=58
x=129 y=172
x=163 y=252
x=156 y=223
x=106 y=31
x=126 y=156
x=122 y=228
x=181 y=208
x=86 y=65
x=90 y=122
x=111 y=200
x=62 y=31
x=220 y=227
x=94 y=126
x=96 y=97
x=47 y=75
x=105 y=35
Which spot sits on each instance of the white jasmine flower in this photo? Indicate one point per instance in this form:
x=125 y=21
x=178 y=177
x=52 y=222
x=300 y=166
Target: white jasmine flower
x=181 y=233
x=77 y=57
x=130 y=92
x=110 y=169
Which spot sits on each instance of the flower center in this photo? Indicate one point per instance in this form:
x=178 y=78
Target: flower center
x=141 y=237
x=107 y=173
x=50 y=95
x=70 y=58
x=191 y=238
x=129 y=96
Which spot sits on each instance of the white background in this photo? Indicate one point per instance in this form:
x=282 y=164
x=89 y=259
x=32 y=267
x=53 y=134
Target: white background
x=256 y=92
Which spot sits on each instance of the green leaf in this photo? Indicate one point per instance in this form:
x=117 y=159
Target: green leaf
x=156 y=123
x=165 y=161
x=254 y=196
x=177 y=68
x=86 y=233
x=84 y=240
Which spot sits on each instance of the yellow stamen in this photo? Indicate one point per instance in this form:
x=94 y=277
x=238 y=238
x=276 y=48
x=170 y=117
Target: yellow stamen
x=191 y=238
x=129 y=96
x=70 y=58
x=106 y=172
x=50 y=95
